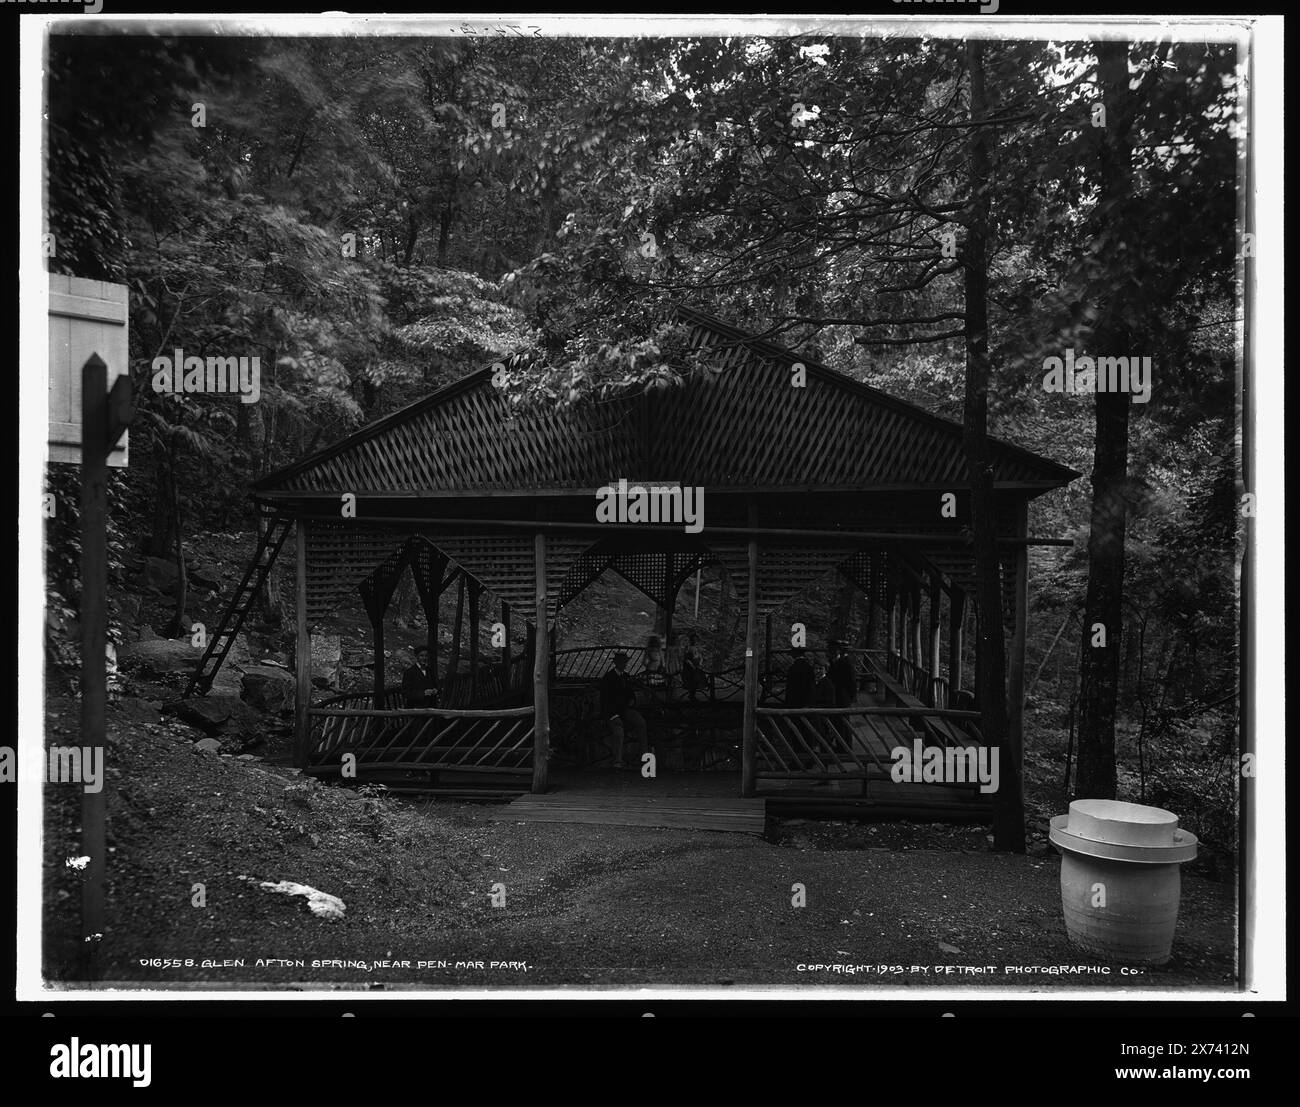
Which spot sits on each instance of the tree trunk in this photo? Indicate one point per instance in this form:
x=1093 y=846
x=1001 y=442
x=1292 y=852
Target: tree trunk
x=159 y=541
x=1103 y=606
x=444 y=234
x=178 y=627
x=1009 y=823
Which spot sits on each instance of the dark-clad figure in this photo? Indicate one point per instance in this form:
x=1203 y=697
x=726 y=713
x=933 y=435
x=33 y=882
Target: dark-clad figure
x=419 y=689
x=841 y=674
x=799 y=680
x=823 y=689
x=617 y=704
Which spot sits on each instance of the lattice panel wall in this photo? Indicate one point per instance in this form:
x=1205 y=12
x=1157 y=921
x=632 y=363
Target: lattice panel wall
x=339 y=557
x=785 y=570
x=504 y=562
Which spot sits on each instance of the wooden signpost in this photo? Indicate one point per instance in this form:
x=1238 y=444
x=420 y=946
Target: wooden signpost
x=89 y=411
x=105 y=416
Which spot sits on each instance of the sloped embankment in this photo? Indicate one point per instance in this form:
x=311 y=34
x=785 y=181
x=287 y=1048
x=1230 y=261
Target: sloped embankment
x=180 y=818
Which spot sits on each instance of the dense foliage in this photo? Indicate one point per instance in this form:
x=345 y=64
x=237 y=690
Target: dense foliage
x=373 y=218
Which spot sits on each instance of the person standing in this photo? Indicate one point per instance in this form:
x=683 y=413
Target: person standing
x=419 y=688
x=823 y=689
x=841 y=674
x=618 y=706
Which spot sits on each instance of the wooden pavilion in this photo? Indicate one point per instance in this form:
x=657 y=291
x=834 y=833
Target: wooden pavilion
x=798 y=481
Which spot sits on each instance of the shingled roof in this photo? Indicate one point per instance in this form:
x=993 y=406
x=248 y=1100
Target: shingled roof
x=741 y=426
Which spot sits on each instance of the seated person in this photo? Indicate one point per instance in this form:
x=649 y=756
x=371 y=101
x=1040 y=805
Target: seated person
x=799 y=681
x=419 y=688
x=692 y=666
x=617 y=705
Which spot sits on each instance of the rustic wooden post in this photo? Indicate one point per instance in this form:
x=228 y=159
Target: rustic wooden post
x=935 y=603
x=541 y=705
x=670 y=595
x=103 y=419
x=905 y=625
x=377 y=628
x=1014 y=751
x=918 y=649
x=427 y=568
x=475 y=594
x=956 y=616
x=767 y=651
x=530 y=658
x=433 y=616
x=453 y=661
x=302 y=653
x=748 y=746
x=505 y=649
x=891 y=645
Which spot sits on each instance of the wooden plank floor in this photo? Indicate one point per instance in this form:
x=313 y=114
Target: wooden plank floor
x=604 y=808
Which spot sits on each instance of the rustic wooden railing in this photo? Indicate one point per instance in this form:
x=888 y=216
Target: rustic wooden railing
x=929 y=688
x=499 y=741
x=829 y=743
x=593 y=662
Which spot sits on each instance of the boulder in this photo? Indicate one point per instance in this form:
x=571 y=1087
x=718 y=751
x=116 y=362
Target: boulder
x=245 y=723
x=326 y=660
x=268 y=688
x=208 y=713
x=159 y=655
x=227 y=682
x=208 y=745
x=240 y=652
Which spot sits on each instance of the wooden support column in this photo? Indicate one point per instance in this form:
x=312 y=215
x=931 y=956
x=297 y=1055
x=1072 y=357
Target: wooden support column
x=427 y=568
x=377 y=629
x=104 y=418
x=475 y=594
x=767 y=651
x=430 y=637
x=904 y=637
x=749 y=744
x=453 y=661
x=956 y=616
x=1015 y=742
x=669 y=595
x=918 y=649
x=505 y=650
x=530 y=657
x=541 y=705
x=905 y=627
x=891 y=645
x=302 y=654
x=935 y=603
x=433 y=616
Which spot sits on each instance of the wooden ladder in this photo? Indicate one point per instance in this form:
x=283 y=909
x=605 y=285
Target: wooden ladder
x=277 y=529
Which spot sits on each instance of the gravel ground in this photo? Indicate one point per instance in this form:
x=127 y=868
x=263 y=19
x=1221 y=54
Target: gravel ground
x=583 y=905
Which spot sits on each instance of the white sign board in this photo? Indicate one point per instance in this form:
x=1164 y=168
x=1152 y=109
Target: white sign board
x=86 y=317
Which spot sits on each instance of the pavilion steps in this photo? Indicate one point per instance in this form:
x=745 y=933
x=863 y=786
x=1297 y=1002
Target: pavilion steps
x=605 y=808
